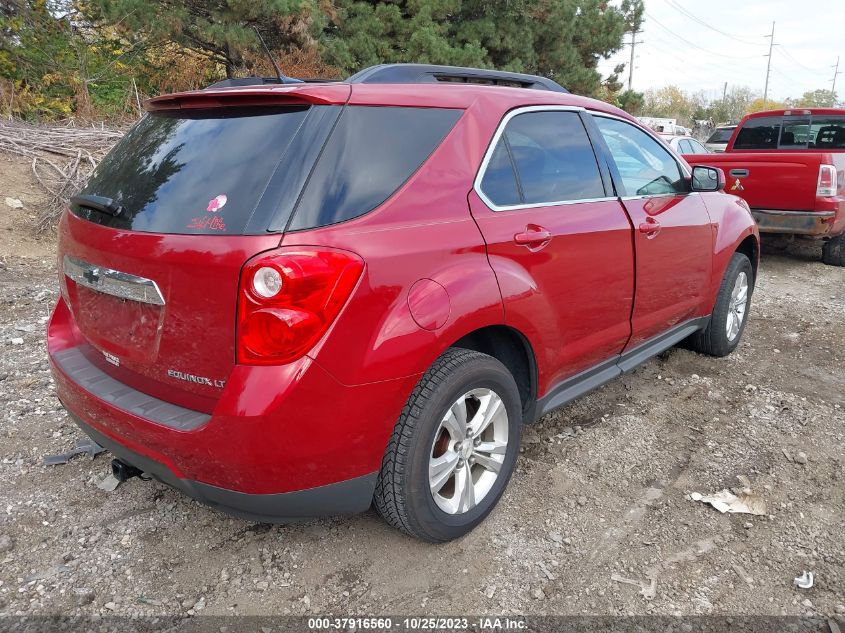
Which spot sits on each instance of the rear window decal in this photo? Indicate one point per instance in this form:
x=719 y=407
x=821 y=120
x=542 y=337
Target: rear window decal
x=215 y=204
x=207 y=223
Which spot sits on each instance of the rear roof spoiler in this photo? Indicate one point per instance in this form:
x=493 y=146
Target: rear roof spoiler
x=412 y=74
x=431 y=73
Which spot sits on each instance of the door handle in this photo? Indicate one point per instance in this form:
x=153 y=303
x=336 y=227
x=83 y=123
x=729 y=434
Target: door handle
x=650 y=227
x=533 y=237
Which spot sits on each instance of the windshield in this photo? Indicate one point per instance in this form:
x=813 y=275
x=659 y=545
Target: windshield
x=721 y=135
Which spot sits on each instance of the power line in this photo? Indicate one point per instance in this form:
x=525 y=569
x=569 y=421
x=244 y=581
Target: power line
x=694 y=18
x=688 y=43
x=788 y=56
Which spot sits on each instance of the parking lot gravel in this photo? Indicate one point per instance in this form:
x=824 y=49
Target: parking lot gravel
x=597 y=519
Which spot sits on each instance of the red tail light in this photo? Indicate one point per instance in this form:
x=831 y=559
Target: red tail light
x=288 y=299
x=827 y=181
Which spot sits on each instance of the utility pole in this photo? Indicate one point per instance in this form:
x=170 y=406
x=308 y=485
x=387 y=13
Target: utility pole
x=634 y=43
x=836 y=73
x=769 y=65
x=725 y=92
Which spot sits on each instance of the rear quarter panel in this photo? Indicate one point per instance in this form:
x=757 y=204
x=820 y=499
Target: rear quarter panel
x=423 y=232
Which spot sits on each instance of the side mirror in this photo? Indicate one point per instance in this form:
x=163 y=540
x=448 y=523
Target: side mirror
x=707 y=178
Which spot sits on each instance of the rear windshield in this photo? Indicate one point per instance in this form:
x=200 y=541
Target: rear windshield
x=201 y=172
x=722 y=135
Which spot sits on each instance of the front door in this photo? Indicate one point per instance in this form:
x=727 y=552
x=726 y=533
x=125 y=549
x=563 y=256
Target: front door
x=673 y=236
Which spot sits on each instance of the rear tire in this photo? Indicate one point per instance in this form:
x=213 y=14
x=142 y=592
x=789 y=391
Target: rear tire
x=730 y=314
x=453 y=449
x=833 y=251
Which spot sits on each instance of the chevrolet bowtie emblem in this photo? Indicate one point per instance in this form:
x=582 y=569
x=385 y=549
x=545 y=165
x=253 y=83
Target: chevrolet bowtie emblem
x=92 y=276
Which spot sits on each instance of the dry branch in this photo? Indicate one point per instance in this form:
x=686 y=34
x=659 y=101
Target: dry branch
x=63 y=157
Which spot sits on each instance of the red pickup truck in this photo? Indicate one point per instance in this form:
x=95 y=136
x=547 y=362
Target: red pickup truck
x=789 y=165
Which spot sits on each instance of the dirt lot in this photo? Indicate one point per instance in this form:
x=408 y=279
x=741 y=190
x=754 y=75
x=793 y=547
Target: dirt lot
x=601 y=489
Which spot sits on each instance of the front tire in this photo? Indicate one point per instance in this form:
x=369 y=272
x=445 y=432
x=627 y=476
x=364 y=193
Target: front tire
x=453 y=449
x=730 y=314
x=833 y=251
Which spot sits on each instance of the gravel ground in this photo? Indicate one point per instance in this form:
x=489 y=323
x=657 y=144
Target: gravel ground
x=601 y=493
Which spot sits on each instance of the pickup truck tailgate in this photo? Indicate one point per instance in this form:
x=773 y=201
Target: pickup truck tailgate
x=784 y=181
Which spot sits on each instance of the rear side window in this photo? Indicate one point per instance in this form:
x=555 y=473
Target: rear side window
x=762 y=133
x=369 y=155
x=827 y=133
x=200 y=172
x=553 y=159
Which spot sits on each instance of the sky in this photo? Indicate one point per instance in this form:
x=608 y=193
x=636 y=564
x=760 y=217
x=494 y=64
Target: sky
x=725 y=42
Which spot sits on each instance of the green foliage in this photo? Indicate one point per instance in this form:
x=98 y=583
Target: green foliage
x=562 y=39
x=53 y=65
x=221 y=30
x=818 y=99
x=631 y=101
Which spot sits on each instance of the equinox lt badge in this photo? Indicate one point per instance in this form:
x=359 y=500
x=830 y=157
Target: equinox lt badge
x=200 y=380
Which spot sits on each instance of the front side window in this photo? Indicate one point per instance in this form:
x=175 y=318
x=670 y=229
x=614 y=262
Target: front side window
x=762 y=133
x=646 y=168
x=542 y=158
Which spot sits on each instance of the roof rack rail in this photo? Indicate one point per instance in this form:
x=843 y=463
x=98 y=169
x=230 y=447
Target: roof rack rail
x=431 y=73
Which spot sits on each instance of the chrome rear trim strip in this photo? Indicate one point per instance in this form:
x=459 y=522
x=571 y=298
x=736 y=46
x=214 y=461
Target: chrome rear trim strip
x=113 y=282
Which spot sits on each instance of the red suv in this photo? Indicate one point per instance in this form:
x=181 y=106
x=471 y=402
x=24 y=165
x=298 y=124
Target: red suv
x=294 y=300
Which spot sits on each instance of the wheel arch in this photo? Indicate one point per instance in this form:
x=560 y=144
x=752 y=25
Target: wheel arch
x=511 y=348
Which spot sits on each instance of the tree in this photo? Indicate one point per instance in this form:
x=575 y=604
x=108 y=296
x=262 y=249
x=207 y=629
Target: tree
x=817 y=99
x=561 y=39
x=220 y=30
x=631 y=101
x=732 y=107
x=760 y=105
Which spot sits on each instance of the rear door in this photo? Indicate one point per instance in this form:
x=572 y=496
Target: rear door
x=558 y=240
x=152 y=278
x=672 y=233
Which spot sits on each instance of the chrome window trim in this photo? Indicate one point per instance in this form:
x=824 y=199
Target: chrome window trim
x=488 y=155
x=112 y=282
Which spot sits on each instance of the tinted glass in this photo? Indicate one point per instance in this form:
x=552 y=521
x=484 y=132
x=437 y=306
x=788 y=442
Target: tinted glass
x=554 y=158
x=721 y=135
x=644 y=164
x=828 y=133
x=760 y=133
x=198 y=172
x=686 y=147
x=698 y=148
x=369 y=155
x=499 y=182
x=795 y=133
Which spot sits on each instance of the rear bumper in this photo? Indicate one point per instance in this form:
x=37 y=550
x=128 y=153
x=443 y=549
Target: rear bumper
x=818 y=223
x=282 y=442
x=344 y=497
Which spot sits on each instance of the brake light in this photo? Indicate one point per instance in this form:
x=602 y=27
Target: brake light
x=827 y=181
x=288 y=299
